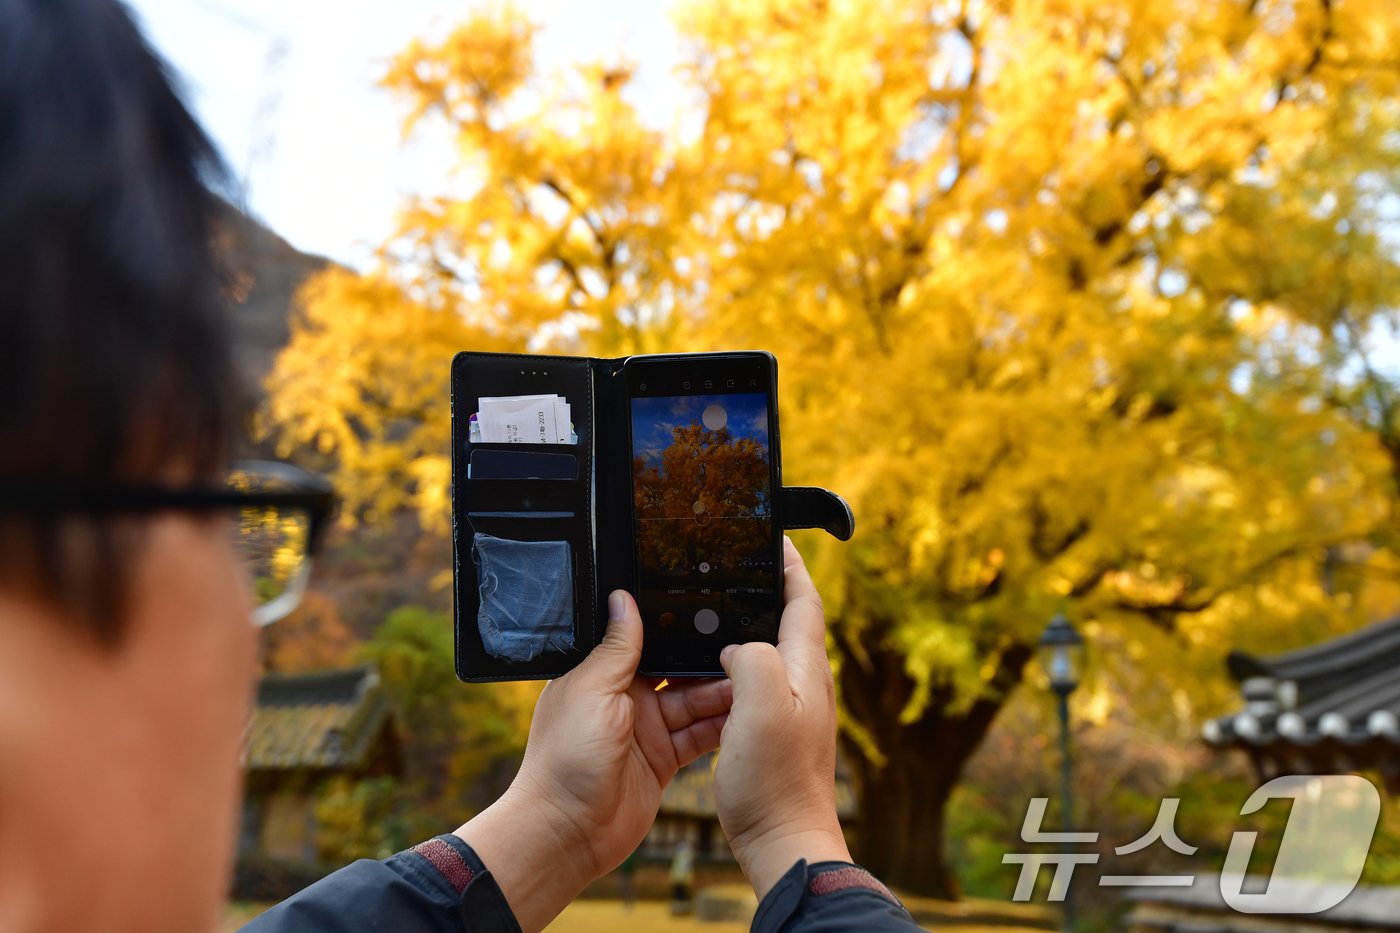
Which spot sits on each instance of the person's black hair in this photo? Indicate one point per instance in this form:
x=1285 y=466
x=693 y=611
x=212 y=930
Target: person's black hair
x=115 y=365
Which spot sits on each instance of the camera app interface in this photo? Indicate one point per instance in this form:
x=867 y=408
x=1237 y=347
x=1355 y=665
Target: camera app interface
x=703 y=497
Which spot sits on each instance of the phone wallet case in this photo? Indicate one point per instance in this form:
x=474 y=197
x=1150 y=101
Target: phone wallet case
x=538 y=542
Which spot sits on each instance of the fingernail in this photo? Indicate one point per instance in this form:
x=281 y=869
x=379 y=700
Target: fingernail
x=617 y=606
x=728 y=650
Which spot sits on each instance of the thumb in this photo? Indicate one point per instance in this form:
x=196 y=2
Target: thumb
x=612 y=664
x=760 y=679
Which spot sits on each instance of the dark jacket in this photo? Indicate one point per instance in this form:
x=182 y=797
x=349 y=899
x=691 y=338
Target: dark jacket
x=440 y=886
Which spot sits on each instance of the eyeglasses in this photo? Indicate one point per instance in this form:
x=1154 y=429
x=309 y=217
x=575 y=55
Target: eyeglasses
x=282 y=512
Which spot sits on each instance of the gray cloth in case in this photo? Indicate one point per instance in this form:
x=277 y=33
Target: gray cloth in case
x=527 y=596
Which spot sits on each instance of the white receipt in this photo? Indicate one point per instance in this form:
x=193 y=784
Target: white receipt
x=525 y=419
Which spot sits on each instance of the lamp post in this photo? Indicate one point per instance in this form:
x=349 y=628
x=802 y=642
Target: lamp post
x=1061 y=652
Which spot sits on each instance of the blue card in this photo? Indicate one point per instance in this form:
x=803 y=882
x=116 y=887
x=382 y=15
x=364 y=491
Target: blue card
x=520 y=464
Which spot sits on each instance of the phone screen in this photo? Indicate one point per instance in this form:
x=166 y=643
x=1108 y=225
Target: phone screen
x=703 y=481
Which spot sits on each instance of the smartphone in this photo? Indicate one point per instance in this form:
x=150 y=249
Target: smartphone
x=703 y=431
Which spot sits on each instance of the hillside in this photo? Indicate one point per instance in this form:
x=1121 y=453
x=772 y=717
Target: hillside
x=367 y=571
x=265 y=273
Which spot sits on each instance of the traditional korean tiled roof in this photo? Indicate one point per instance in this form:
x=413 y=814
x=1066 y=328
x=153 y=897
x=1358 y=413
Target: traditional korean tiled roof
x=692 y=792
x=325 y=720
x=1335 y=704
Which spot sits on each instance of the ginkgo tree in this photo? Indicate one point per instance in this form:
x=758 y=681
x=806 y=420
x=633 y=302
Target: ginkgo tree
x=1076 y=301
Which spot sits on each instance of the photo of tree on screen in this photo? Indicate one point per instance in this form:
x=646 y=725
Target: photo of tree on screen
x=703 y=505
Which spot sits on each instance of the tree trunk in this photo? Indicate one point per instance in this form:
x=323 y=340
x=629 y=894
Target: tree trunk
x=900 y=828
x=901 y=822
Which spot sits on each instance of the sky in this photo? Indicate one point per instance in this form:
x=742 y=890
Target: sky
x=655 y=419
x=287 y=88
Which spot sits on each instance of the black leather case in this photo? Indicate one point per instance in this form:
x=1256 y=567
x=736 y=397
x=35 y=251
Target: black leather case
x=592 y=512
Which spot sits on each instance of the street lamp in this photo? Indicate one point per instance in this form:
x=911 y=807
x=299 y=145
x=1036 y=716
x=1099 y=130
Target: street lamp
x=1061 y=653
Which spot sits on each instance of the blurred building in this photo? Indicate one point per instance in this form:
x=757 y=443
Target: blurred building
x=307 y=728
x=688 y=812
x=1330 y=708
x=1201 y=909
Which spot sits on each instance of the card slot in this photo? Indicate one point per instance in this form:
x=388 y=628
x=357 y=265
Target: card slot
x=523 y=448
x=522 y=464
x=527 y=526
x=523 y=495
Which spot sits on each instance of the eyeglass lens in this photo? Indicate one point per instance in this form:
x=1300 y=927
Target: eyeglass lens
x=273 y=542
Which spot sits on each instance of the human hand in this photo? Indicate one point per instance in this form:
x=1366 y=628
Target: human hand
x=603 y=744
x=775 y=782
